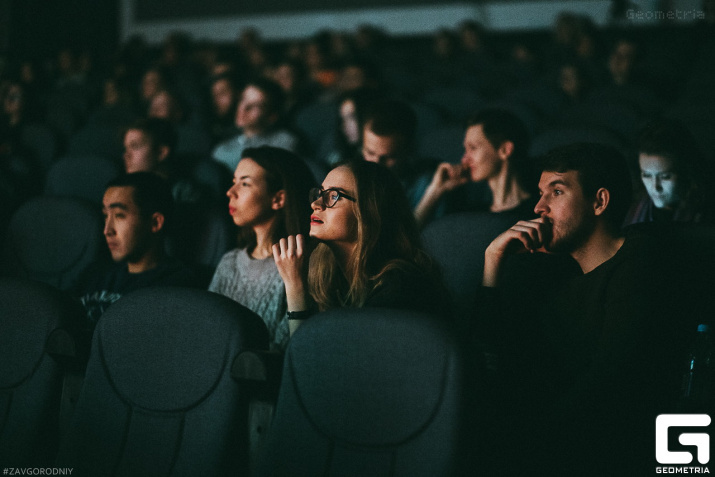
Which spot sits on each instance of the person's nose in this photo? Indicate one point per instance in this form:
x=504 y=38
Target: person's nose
x=232 y=192
x=541 y=206
x=317 y=204
x=658 y=184
x=108 y=227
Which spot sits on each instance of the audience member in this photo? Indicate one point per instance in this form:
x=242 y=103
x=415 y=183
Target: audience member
x=292 y=78
x=344 y=143
x=117 y=107
x=153 y=81
x=224 y=100
x=137 y=212
x=586 y=355
x=192 y=140
x=20 y=168
x=677 y=184
x=258 y=116
x=496 y=151
x=267 y=203
x=368 y=249
x=149 y=146
x=165 y=104
x=388 y=138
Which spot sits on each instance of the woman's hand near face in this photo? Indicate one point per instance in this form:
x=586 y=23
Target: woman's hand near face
x=290 y=258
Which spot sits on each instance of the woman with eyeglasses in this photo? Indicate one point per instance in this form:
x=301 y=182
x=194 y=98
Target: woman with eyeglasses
x=368 y=249
x=267 y=202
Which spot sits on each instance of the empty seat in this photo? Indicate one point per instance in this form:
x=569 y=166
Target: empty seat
x=39 y=323
x=457 y=243
x=53 y=240
x=84 y=177
x=370 y=392
x=158 y=397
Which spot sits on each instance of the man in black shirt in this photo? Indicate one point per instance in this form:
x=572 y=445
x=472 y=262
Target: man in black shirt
x=137 y=208
x=586 y=350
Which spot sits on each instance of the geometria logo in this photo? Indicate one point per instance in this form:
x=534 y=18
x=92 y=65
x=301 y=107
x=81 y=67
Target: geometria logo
x=699 y=440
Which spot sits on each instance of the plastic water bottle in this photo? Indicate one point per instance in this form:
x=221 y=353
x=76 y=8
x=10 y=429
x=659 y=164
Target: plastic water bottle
x=696 y=394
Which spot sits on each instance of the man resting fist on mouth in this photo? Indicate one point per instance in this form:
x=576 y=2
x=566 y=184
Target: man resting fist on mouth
x=584 y=357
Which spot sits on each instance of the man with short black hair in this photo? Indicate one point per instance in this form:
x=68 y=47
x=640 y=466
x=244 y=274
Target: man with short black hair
x=149 y=145
x=388 y=138
x=587 y=346
x=137 y=211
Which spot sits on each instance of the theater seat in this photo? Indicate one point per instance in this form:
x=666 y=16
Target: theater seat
x=84 y=177
x=53 y=240
x=457 y=242
x=370 y=392
x=40 y=338
x=158 y=397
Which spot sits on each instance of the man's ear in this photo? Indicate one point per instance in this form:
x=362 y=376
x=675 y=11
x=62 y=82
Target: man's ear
x=163 y=152
x=505 y=150
x=603 y=198
x=279 y=200
x=157 y=222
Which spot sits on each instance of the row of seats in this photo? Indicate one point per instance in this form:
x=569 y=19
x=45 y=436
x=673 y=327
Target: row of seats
x=55 y=239
x=176 y=384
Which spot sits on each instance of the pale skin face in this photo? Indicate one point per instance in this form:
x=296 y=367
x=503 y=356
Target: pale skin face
x=336 y=225
x=252 y=114
x=385 y=150
x=660 y=180
x=162 y=106
x=350 y=126
x=127 y=232
x=285 y=76
x=564 y=207
x=251 y=204
x=138 y=152
x=151 y=82
x=249 y=201
x=568 y=222
x=480 y=158
x=223 y=96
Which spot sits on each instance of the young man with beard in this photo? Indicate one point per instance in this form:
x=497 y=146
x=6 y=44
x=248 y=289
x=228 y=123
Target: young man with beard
x=587 y=352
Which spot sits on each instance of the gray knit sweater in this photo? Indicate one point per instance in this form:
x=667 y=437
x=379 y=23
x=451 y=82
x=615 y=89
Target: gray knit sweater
x=257 y=285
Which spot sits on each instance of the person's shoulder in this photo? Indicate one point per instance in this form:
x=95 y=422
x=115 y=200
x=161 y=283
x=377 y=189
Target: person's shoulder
x=232 y=256
x=282 y=137
x=226 y=146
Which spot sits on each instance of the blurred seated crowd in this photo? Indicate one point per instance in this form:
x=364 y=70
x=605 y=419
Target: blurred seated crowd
x=297 y=177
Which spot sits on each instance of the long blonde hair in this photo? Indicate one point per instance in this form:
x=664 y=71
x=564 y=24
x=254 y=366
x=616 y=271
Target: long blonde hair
x=387 y=239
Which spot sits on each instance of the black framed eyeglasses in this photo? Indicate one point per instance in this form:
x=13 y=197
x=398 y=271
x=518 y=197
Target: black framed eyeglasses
x=330 y=197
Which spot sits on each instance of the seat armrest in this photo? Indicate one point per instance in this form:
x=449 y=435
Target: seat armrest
x=258 y=366
x=259 y=372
